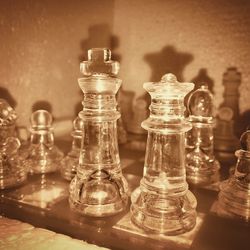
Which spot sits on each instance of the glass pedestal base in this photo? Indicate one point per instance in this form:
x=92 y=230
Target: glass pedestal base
x=234 y=198
x=202 y=173
x=45 y=162
x=159 y=214
x=100 y=195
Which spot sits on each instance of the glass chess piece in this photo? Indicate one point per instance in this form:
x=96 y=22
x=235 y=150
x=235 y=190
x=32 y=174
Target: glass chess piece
x=99 y=188
x=12 y=171
x=201 y=166
x=71 y=160
x=234 y=195
x=162 y=203
x=43 y=156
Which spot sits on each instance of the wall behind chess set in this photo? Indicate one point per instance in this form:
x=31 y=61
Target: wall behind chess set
x=43 y=42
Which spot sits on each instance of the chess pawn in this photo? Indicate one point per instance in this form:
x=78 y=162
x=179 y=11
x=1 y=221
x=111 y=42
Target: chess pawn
x=12 y=171
x=71 y=160
x=201 y=166
x=43 y=156
x=163 y=204
x=234 y=195
x=99 y=188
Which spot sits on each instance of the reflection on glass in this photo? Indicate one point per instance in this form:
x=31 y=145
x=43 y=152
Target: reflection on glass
x=99 y=188
x=163 y=204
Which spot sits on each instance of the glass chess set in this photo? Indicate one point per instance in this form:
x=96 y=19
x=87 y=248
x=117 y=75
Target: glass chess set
x=91 y=184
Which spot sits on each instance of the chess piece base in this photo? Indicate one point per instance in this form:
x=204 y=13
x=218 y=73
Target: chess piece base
x=203 y=173
x=235 y=198
x=44 y=161
x=163 y=214
x=101 y=194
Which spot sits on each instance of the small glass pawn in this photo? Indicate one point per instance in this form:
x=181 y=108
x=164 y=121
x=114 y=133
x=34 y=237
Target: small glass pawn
x=201 y=166
x=12 y=171
x=234 y=195
x=71 y=161
x=44 y=156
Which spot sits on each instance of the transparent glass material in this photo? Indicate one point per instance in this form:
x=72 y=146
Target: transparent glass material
x=71 y=160
x=234 y=196
x=99 y=188
x=7 y=114
x=163 y=204
x=201 y=166
x=12 y=171
x=43 y=155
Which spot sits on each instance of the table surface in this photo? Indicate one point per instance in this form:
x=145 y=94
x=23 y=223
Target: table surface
x=43 y=202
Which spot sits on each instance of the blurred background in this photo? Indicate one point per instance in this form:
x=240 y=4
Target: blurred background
x=43 y=42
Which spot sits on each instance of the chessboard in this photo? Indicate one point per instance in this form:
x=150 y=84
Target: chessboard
x=15 y=234
x=43 y=202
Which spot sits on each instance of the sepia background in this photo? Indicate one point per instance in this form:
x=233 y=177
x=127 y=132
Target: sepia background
x=43 y=42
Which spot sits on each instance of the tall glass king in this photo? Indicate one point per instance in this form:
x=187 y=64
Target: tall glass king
x=99 y=188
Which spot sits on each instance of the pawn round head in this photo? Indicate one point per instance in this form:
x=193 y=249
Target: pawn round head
x=41 y=119
x=200 y=102
x=245 y=140
x=78 y=124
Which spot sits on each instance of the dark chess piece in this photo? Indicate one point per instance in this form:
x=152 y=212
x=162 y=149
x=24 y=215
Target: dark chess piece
x=225 y=138
x=231 y=82
x=234 y=197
